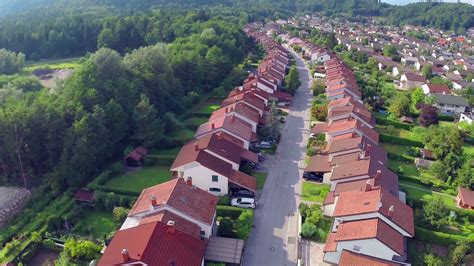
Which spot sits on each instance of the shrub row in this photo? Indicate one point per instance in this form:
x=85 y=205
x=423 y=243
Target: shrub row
x=122 y=191
x=438 y=238
x=228 y=211
x=401 y=158
x=447 y=118
x=385 y=121
x=161 y=160
x=400 y=141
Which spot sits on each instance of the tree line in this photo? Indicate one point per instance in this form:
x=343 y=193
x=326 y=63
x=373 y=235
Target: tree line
x=112 y=101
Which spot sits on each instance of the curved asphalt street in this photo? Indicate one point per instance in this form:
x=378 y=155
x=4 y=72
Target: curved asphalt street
x=274 y=238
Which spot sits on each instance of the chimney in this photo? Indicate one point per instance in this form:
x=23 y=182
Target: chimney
x=377 y=175
x=189 y=181
x=153 y=201
x=233 y=118
x=213 y=126
x=367 y=150
x=368 y=185
x=196 y=146
x=390 y=211
x=227 y=109
x=170 y=226
x=125 y=255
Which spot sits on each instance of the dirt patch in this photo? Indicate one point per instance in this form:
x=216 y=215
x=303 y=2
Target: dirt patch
x=12 y=200
x=44 y=257
x=50 y=78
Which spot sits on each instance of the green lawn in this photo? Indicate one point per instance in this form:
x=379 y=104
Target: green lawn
x=409 y=169
x=393 y=131
x=396 y=149
x=261 y=177
x=98 y=223
x=208 y=108
x=424 y=193
x=196 y=120
x=468 y=149
x=166 y=152
x=185 y=134
x=140 y=179
x=53 y=64
x=314 y=192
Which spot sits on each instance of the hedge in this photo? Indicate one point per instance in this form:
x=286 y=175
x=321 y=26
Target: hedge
x=400 y=141
x=401 y=158
x=228 y=211
x=161 y=160
x=447 y=118
x=121 y=191
x=385 y=121
x=438 y=238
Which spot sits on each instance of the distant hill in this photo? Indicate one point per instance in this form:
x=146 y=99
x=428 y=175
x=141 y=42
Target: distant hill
x=406 y=2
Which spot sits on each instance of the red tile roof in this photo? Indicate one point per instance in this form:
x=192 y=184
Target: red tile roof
x=349 y=258
x=360 y=202
x=180 y=223
x=231 y=124
x=330 y=245
x=319 y=163
x=371 y=228
x=249 y=155
x=238 y=108
x=358 y=109
x=438 y=88
x=243 y=180
x=345 y=144
x=415 y=77
x=320 y=128
x=248 y=98
x=84 y=195
x=466 y=195
x=191 y=201
x=154 y=244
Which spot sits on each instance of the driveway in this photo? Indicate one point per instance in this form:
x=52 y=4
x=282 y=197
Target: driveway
x=274 y=238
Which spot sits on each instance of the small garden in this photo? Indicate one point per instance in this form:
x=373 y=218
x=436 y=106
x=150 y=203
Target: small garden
x=141 y=178
x=314 y=225
x=261 y=177
x=234 y=222
x=314 y=192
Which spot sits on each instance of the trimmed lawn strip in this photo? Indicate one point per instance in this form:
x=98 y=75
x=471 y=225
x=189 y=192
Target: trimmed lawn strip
x=408 y=169
x=100 y=223
x=393 y=131
x=166 y=152
x=141 y=179
x=311 y=192
x=424 y=193
x=196 y=121
x=261 y=177
x=208 y=108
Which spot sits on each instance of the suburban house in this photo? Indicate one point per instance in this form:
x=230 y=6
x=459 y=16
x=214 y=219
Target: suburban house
x=375 y=203
x=450 y=104
x=231 y=125
x=346 y=126
x=241 y=111
x=178 y=200
x=465 y=198
x=371 y=237
x=435 y=89
x=467 y=117
x=350 y=258
x=356 y=111
x=213 y=164
x=249 y=98
x=154 y=243
x=410 y=80
x=260 y=83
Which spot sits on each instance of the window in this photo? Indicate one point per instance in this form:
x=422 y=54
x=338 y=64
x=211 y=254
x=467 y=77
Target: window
x=356 y=248
x=214 y=189
x=215 y=178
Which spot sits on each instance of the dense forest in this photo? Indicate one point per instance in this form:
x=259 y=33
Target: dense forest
x=55 y=29
x=113 y=101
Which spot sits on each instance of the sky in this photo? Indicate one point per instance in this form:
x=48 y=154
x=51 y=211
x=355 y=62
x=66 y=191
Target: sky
x=404 y=2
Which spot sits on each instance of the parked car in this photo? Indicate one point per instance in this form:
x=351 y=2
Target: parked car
x=254 y=165
x=248 y=203
x=282 y=119
x=243 y=193
x=261 y=157
x=264 y=144
x=312 y=177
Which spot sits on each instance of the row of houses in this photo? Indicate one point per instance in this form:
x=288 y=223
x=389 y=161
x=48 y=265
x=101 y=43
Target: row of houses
x=371 y=219
x=174 y=223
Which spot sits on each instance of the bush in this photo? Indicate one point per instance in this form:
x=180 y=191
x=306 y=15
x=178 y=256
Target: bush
x=398 y=157
x=224 y=200
x=308 y=230
x=311 y=151
x=400 y=141
x=438 y=238
x=225 y=228
x=244 y=224
x=49 y=243
x=228 y=211
x=399 y=125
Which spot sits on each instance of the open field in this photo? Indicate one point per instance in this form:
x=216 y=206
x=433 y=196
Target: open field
x=140 y=179
x=53 y=64
x=424 y=193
